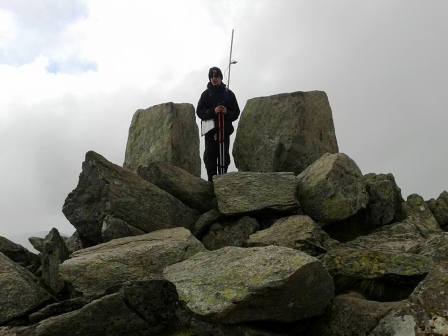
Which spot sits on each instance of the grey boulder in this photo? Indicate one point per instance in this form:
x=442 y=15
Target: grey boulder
x=19 y=291
x=298 y=232
x=114 y=228
x=107 y=189
x=96 y=269
x=234 y=284
x=190 y=189
x=284 y=132
x=245 y=192
x=138 y=308
x=165 y=132
x=439 y=208
x=332 y=189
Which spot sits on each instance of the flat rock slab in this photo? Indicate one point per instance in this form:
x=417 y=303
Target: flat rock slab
x=383 y=276
x=332 y=188
x=245 y=192
x=107 y=189
x=297 y=232
x=19 y=291
x=166 y=132
x=93 y=270
x=234 y=284
x=284 y=132
x=190 y=189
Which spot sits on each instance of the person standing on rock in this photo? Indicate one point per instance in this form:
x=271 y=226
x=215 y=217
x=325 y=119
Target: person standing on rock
x=217 y=99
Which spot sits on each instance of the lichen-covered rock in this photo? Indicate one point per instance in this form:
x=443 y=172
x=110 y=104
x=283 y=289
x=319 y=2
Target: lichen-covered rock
x=230 y=233
x=107 y=189
x=393 y=238
x=297 y=232
x=285 y=132
x=165 y=132
x=190 y=189
x=93 y=270
x=245 y=192
x=332 y=189
x=385 y=201
x=439 y=208
x=114 y=228
x=420 y=215
x=234 y=284
x=54 y=253
x=350 y=315
x=19 y=292
x=19 y=254
x=383 y=276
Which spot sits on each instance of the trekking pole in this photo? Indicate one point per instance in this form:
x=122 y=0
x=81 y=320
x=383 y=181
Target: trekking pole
x=221 y=137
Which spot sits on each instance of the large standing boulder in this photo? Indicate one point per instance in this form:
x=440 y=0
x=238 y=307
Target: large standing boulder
x=166 y=132
x=245 y=192
x=107 y=189
x=332 y=189
x=190 y=189
x=285 y=132
x=97 y=268
x=19 y=292
x=54 y=253
x=439 y=208
x=235 y=284
x=298 y=232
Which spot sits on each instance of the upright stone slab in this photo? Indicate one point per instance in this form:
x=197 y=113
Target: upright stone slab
x=166 y=132
x=285 y=132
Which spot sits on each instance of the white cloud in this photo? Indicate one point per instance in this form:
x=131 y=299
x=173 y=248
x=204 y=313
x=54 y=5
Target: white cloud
x=8 y=28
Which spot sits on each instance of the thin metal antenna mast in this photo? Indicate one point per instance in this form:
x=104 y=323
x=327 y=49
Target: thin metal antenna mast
x=230 y=61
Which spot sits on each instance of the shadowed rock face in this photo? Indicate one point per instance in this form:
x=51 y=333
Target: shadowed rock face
x=166 y=132
x=285 y=132
x=234 y=284
x=107 y=189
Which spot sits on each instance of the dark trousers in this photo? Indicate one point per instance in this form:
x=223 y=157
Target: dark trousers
x=211 y=154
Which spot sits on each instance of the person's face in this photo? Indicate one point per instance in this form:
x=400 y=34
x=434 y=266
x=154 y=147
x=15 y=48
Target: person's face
x=216 y=80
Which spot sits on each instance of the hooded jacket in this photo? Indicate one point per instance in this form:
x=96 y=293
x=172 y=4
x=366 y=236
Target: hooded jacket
x=213 y=97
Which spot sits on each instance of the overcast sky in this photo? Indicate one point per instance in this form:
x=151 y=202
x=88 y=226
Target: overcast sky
x=72 y=73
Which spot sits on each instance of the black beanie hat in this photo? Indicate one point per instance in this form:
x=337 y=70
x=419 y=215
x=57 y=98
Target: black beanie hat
x=214 y=70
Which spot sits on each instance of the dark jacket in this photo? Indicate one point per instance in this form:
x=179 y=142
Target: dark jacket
x=213 y=97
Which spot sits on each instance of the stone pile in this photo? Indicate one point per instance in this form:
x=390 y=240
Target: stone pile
x=299 y=242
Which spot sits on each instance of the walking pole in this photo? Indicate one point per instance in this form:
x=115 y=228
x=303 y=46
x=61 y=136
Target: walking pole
x=221 y=137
